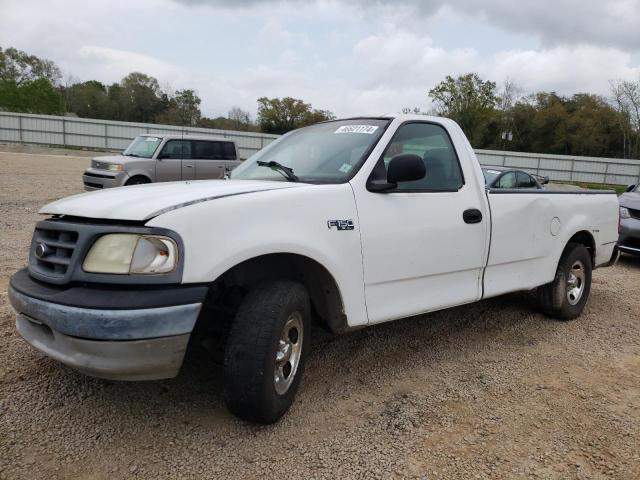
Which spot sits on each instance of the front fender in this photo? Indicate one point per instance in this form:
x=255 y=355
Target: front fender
x=224 y=232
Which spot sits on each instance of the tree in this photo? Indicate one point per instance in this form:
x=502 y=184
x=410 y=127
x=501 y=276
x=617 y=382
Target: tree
x=27 y=83
x=240 y=118
x=143 y=97
x=626 y=99
x=20 y=67
x=88 y=100
x=36 y=96
x=279 y=116
x=468 y=100
x=183 y=109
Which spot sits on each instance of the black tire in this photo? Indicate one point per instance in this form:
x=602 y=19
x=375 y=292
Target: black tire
x=137 y=180
x=555 y=298
x=254 y=340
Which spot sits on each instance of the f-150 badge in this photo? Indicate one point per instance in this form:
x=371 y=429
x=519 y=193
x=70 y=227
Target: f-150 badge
x=341 y=224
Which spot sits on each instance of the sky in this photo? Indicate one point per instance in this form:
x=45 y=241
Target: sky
x=352 y=57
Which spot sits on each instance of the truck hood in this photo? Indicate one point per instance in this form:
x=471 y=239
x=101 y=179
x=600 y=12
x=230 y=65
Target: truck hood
x=630 y=200
x=142 y=202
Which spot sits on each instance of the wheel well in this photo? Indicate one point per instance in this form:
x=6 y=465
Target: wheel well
x=227 y=291
x=585 y=238
x=136 y=177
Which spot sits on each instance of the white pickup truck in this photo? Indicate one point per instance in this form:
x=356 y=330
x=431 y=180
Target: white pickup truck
x=346 y=223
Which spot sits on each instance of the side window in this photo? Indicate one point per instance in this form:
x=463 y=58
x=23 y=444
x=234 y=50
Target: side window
x=208 y=150
x=179 y=149
x=526 y=181
x=228 y=151
x=432 y=144
x=204 y=150
x=508 y=180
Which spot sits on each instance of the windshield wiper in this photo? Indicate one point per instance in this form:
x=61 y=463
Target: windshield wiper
x=133 y=155
x=286 y=171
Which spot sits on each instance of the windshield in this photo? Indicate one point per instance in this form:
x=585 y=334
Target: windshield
x=328 y=152
x=490 y=175
x=142 y=147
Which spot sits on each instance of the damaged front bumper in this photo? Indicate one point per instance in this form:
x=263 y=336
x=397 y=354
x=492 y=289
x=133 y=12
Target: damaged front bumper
x=128 y=334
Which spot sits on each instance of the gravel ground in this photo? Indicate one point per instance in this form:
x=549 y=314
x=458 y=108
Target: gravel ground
x=491 y=390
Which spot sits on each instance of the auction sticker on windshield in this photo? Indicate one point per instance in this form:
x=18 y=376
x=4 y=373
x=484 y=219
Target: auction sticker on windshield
x=370 y=129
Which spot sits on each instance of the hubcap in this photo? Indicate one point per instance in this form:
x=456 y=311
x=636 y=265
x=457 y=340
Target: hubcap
x=575 y=283
x=288 y=353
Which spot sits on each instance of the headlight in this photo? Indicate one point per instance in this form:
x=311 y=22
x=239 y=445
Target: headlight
x=624 y=212
x=115 y=167
x=125 y=253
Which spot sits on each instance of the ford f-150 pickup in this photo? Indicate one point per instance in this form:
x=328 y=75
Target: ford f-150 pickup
x=345 y=223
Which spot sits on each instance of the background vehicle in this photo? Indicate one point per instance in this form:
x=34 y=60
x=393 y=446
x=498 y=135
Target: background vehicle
x=629 y=241
x=163 y=158
x=507 y=177
x=346 y=223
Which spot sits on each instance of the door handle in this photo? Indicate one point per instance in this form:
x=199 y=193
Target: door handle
x=189 y=166
x=472 y=215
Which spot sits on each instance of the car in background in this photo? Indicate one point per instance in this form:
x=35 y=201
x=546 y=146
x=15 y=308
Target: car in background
x=507 y=177
x=629 y=239
x=163 y=158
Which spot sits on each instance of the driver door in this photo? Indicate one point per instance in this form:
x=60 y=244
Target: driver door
x=169 y=163
x=421 y=248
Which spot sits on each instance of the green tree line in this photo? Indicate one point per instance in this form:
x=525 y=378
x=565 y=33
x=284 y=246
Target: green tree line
x=492 y=118
x=543 y=122
x=33 y=85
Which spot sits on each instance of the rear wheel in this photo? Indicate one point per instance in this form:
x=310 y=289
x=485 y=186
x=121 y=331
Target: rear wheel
x=138 y=180
x=265 y=353
x=567 y=295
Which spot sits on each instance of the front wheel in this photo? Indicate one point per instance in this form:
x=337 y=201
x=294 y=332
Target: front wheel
x=265 y=353
x=567 y=295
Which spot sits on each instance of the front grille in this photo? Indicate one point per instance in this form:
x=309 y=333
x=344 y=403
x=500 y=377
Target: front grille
x=97 y=175
x=52 y=251
x=93 y=185
x=634 y=213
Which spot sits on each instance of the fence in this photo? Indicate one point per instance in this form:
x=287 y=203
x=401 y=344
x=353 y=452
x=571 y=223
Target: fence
x=614 y=171
x=106 y=134
x=110 y=135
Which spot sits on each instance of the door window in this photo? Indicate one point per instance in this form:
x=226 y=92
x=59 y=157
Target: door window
x=431 y=143
x=180 y=149
x=508 y=180
x=526 y=181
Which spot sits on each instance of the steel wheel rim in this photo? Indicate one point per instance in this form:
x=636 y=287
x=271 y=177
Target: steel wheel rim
x=575 y=282
x=288 y=353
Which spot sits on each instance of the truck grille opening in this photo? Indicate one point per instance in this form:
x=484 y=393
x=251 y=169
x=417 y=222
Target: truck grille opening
x=51 y=251
x=634 y=213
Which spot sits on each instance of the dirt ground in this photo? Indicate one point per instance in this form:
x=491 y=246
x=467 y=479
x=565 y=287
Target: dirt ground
x=491 y=390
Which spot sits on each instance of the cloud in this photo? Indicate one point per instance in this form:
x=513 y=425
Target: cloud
x=110 y=64
x=611 y=23
x=400 y=67
x=274 y=35
x=356 y=57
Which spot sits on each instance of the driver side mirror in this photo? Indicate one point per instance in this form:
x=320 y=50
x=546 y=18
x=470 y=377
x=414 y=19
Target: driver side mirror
x=405 y=167
x=545 y=180
x=630 y=188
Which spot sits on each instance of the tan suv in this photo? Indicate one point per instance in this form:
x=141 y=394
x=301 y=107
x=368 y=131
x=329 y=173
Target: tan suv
x=163 y=158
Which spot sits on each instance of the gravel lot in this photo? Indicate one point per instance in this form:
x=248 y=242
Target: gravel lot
x=492 y=390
